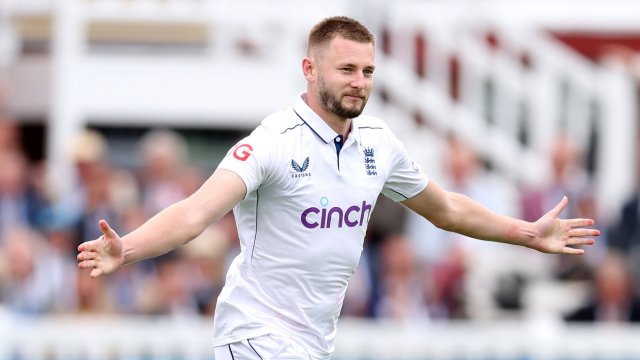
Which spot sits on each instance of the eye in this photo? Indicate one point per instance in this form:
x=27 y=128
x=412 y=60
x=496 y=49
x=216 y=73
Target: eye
x=368 y=72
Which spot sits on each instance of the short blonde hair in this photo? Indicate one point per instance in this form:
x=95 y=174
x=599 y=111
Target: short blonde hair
x=337 y=26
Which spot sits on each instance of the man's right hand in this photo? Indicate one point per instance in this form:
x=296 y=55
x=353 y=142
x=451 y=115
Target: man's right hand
x=103 y=255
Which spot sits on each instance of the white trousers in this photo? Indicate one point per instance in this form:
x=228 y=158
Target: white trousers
x=266 y=347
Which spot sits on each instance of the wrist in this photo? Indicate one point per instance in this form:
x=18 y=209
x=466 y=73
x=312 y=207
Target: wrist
x=523 y=233
x=127 y=251
x=529 y=235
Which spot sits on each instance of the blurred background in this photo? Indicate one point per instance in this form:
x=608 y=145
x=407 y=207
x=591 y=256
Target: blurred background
x=116 y=108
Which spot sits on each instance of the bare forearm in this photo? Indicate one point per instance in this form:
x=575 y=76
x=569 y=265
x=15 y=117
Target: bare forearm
x=167 y=230
x=458 y=213
x=181 y=222
x=469 y=218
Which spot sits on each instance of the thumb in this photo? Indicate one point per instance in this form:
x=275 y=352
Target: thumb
x=106 y=229
x=555 y=212
x=112 y=243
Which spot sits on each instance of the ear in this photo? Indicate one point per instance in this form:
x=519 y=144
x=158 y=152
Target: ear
x=308 y=69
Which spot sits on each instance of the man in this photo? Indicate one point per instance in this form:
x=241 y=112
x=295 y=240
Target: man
x=613 y=299
x=303 y=185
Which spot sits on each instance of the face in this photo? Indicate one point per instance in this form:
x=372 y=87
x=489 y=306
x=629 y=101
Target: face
x=345 y=77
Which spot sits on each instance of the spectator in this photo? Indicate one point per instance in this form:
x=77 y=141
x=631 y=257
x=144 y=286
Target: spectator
x=567 y=178
x=359 y=298
x=59 y=235
x=401 y=297
x=170 y=290
x=613 y=299
x=20 y=205
x=164 y=158
x=92 y=297
x=97 y=199
x=625 y=233
x=89 y=196
x=27 y=288
x=444 y=286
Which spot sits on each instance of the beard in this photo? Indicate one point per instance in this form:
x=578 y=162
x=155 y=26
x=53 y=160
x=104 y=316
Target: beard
x=333 y=102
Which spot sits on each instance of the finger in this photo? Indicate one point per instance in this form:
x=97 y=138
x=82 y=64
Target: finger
x=95 y=273
x=87 y=255
x=89 y=245
x=561 y=206
x=572 y=251
x=87 y=264
x=106 y=229
x=574 y=223
x=580 y=241
x=581 y=232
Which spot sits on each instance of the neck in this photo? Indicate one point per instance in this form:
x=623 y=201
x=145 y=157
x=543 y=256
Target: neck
x=340 y=125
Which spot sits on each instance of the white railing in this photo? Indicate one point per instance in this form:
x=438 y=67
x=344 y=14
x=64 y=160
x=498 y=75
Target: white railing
x=101 y=338
x=218 y=86
x=524 y=83
x=215 y=86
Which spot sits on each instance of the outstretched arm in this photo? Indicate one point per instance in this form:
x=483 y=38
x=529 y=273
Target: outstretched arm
x=172 y=227
x=458 y=213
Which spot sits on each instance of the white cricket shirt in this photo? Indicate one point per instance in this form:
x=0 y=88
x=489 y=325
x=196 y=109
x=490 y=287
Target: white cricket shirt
x=302 y=223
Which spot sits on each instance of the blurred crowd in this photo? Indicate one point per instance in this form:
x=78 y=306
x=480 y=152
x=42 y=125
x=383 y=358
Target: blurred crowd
x=409 y=270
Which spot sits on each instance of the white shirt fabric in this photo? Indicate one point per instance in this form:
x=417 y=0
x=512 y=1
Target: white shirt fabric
x=303 y=221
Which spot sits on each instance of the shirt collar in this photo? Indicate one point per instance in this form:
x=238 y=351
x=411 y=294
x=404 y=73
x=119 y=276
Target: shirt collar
x=313 y=120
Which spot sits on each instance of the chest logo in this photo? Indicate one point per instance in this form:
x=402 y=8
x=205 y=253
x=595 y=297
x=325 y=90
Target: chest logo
x=300 y=170
x=370 y=162
x=336 y=217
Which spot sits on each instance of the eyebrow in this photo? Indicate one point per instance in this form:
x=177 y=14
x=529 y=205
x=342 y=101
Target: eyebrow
x=369 y=67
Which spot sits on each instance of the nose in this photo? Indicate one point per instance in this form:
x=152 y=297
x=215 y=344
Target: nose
x=358 y=81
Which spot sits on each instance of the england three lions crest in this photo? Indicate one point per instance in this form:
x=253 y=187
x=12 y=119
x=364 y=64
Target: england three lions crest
x=370 y=161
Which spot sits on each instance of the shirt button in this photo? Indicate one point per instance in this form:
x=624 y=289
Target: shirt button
x=338 y=139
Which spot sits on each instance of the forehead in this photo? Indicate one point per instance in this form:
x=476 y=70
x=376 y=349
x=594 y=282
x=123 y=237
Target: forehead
x=341 y=50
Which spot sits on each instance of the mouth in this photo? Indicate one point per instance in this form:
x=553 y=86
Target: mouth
x=354 y=97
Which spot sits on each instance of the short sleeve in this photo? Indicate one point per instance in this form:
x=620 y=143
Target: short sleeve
x=405 y=177
x=251 y=158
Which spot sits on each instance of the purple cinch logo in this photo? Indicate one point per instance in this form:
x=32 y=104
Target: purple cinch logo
x=324 y=217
